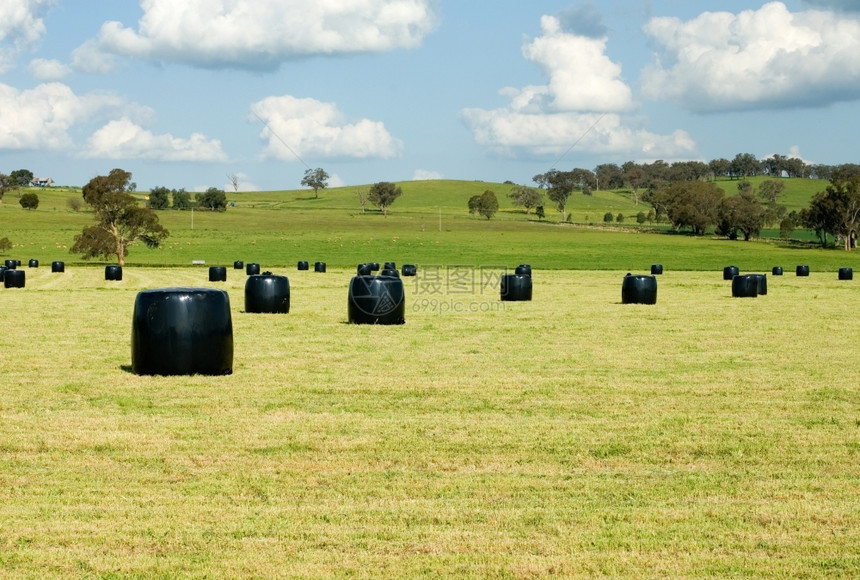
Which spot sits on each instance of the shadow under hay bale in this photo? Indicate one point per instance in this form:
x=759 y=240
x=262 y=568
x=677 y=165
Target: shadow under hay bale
x=516 y=288
x=319 y=266
x=266 y=293
x=639 y=289
x=14 y=278
x=729 y=272
x=846 y=274
x=217 y=273
x=776 y=271
x=182 y=331
x=409 y=270
x=113 y=273
x=656 y=269
x=376 y=300
x=802 y=271
x=238 y=265
x=745 y=286
x=303 y=266
x=58 y=267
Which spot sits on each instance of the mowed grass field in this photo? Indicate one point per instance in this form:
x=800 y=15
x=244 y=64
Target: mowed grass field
x=569 y=436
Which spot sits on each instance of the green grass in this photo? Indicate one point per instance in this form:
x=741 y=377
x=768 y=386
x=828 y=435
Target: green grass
x=569 y=436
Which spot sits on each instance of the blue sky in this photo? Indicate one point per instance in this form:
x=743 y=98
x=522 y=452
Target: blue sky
x=183 y=93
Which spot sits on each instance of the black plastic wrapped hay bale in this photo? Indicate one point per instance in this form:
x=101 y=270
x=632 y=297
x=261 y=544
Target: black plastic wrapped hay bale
x=11 y=264
x=33 y=264
x=762 y=283
x=182 y=331
x=14 y=278
x=390 y=272
x=745 y=286
x=802 y=270
x=58 y=267
x=729 y=272
x=252 y=269
x=523 y=270
x=3 y=273
x=113 y=272
x=776 y=271
x=364 y=270
x=217 y=273
x=303 y=265
x=376 y=300
x=516 y=288
x=319 y=266
x=639 y=290
x=268 y=294
x=374 y=266
x=409 y=270
x=656 y=269
x=238 y=265
x=389 y=266
x=846 y=274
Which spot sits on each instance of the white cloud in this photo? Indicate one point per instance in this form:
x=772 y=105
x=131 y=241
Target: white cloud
x=244 y=184
x=756 y=59
x=263 y=33
x=582 y=101
x=48 y=70
x=89 y=59
x=124 y=139
x=425 y=175
x=20 y=26
x=307 y=127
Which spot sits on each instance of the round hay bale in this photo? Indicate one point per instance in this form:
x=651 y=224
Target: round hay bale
x=409 y=270
x=729 y=272
x=762 y=283
x=252 y=269
x=846 y=274
x=58 y=267
x=15 y=278
x=745 y=286
x=802 y=270
x=11 y=264
x=268 y=294
x=303 y=265
x=113 y=272
x=639 y=289
x=364 y=270
x=389 y=266
x=390 y=272
x=182 y=331
x=374 y=266
x=523 y=270
x=656 y=269
x=217 y=273
x=516 y=288
x=238 y=265
x=3 y=272
x=33 y=264
x=776 y=271
x=376 y=300
x=319 y=266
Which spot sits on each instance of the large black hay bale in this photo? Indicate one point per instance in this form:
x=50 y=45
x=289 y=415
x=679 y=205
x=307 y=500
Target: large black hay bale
x=252 y=269
x=390 y=272
x=319 y=266
x=762 y=284
x=374 y=266
x=639 y=290
x=409 y=270
x=14 y=278
x=745 y=286
x=267 y=293
x=389 y=266
x=113 y=272
x=846 y=274
x=802 y=270
x=3 y=272
x=516 y=288
x=364 y=270
x=523 y=270
x=656 y=269
x=376 y=300
x=217 y=273
x=182 y=331
x=11 y=264
x=303 y=265
x=776 y=271
x=729 y=272
x=238 y=265
x=58 y=267
x=33 y=264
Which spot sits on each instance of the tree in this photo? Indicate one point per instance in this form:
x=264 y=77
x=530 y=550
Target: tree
x=608 y=176
x=213 y=199
x=6 y=183
x=181 y=199
x=607 y=217
x=619 y=218
x=641 y=218
x=488 y=204
x=5 y=245
x=21 y=177
x=119 y=221
x=474 y=204
x=527 y=197
x=29 y=201
x=720 y=167
x=770 y=191
x=559 y=185
x=836 y=210
x=316 y=179
x=786 y=228
x=692 y=204
x=742 y=213
x=634 y=177
x=539 y=212
x=234 y=181
x=362 y=195
x=745 y=165
x=159 y=198
x=383 y=194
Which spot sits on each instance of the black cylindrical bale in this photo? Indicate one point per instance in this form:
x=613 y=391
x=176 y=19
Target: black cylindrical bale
x=33 y=263
x=267 y=294
x=639 y=289
x=14 y=278
x=802 y=270
x=238 y=265
x=319 y=266
x=729 y=272
x=113 y=272
x=58 y=267
x=3 y=272
x=374 y=266
x=182 y=331
x=776 y=271
x=762 y=283
x=376 y=300
x=217 y=273
x=656 y=269
x=252 y=269
x=303 y=265
x=409 y=270
x=745 y=286
x=846 y=274
x=523 y=270
x=389 y=266
x=390 y=272
x=364 y=270
x=516 y=288
x=11 y=264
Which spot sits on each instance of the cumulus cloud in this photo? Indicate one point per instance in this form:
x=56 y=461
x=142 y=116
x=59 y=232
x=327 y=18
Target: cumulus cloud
x=583 y=100
x=48 y=70
x=264 y=33
x=425 y=175
x=123 y=139
x=20 y=26
x=88 y=58
x=306 y=127
x=756 y=59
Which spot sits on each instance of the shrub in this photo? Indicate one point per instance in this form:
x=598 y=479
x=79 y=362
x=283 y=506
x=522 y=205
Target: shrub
x=620 y=217
x=607 y=217
x=29 y=201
